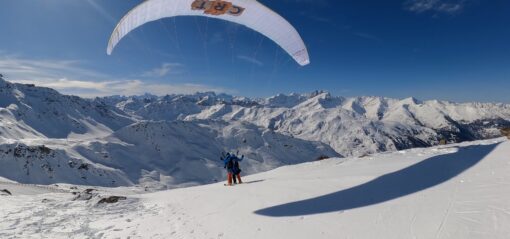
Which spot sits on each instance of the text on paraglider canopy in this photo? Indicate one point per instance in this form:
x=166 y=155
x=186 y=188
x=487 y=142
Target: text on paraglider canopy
x=217 y=7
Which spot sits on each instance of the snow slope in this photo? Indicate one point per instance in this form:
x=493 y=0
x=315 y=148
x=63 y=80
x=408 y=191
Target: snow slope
x=455 y=191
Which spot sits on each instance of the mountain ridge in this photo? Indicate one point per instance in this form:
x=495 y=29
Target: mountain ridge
x=407 y=123
x=172 y=141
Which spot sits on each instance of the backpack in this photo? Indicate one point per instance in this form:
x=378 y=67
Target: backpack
x=230 y=164
x=236 y=168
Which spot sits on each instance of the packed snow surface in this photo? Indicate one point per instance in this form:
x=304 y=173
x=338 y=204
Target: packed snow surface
x=455 y=191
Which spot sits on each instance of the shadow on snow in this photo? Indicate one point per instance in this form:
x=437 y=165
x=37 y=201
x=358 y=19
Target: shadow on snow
x=255 y=181
x=423 y=175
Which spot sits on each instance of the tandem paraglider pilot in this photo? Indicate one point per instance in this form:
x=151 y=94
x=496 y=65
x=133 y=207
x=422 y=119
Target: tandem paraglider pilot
x=231 y=164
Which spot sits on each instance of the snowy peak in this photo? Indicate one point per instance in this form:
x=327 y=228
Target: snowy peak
x=44 y=111
x=411 y=101
x=284 y=101
x=353 y=126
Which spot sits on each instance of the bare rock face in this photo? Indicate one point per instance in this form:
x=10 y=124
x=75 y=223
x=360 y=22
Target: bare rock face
x=90 y=194
x=506 y=132
x=111 y=199
x=5 y=192
x=86 y=195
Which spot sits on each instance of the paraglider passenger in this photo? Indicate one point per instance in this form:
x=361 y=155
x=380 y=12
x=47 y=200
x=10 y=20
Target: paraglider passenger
x=229 y=165
x=236 y=169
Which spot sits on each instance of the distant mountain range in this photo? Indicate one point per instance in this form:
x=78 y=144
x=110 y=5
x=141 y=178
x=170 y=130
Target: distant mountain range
x=352 y=126
x=176 y=140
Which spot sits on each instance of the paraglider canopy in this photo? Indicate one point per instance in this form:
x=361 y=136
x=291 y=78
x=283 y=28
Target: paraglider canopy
x=249 y=13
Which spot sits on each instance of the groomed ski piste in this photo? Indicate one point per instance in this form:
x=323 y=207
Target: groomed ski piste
x=453 y=191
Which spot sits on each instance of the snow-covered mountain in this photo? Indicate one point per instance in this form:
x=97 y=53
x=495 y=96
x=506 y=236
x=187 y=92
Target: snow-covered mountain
x=49 y=138
x=156 y=155
x=27 y=111
x=176 y=140
x=352 y=126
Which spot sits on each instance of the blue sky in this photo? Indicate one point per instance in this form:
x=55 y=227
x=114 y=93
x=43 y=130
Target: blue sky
x=431 y=49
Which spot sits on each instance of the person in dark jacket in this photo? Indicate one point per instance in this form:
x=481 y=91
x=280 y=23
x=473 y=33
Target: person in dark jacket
x=236 y=170
x=229 y=165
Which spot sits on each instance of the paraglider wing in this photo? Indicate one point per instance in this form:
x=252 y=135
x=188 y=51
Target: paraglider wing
x=249 y=13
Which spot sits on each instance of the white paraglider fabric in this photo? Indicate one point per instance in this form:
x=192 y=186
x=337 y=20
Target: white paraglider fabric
x=249 y=13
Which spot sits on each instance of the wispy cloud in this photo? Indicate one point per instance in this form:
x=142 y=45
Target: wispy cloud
x=70 y=77
x=23 y=69
x=250 y=60
x=163 y=70
x=120 y=87
x=437 y=6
